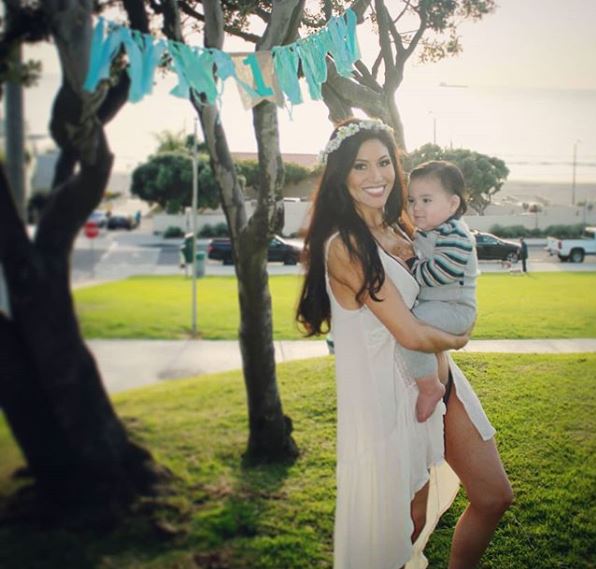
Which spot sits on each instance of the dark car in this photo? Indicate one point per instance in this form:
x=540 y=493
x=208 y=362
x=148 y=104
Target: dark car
x=279 y=251
x=491 y=248
x=116 y=221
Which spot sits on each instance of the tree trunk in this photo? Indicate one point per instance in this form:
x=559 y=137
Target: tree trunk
x=55 y=402
x=395 y=121
x=75 y=446
x=269 y=430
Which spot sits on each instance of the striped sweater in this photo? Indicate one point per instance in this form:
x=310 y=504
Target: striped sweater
x=447 y=267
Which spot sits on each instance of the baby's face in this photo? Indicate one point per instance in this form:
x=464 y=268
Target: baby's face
x=429 y=204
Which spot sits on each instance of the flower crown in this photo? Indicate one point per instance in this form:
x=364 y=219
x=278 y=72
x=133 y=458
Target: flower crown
x=351 y=129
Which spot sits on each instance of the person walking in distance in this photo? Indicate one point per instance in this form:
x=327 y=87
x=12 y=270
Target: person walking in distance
x=524 y=254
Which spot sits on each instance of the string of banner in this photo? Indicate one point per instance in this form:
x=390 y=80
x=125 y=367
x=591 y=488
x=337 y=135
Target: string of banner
x=261 y=75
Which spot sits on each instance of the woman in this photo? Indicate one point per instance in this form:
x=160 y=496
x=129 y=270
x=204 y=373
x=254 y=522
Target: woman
x=390 y=488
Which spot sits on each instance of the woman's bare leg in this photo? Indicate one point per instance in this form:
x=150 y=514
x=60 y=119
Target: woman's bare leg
x=479 y=467
x=418 y=511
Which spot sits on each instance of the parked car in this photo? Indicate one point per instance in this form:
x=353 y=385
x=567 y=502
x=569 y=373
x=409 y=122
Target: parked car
x=279 y=250
x=492 y=248
x=573 y=250
x=99 y=218
x=118 y=221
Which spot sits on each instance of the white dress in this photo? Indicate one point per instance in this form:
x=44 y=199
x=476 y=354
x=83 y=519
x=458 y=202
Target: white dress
x=384 y=455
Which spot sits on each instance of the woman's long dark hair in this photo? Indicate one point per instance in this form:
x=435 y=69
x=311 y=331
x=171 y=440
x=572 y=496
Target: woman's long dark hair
x=334 y=211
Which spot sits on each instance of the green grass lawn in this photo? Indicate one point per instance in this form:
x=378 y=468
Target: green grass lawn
x=541 y=305
x=223 y=516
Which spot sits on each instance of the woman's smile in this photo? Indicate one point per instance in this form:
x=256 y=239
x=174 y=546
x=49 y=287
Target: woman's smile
x=371 y=177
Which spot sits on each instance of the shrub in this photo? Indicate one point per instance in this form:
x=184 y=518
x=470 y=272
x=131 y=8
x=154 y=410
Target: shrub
x=206 y=231
x=173 y=231
x=217 y=230
x=563 y=231
x=221 y=230
x=509 y=231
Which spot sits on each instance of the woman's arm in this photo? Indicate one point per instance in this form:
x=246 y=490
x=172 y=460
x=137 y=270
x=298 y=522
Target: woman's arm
x=392 y=311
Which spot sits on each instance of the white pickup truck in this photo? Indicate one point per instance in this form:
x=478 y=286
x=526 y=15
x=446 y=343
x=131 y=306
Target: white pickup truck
x=573 y=250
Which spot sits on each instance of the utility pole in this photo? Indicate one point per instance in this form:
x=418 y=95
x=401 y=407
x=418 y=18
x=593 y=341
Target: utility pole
x=434 y=126
x=15 y=139
x=573 y=178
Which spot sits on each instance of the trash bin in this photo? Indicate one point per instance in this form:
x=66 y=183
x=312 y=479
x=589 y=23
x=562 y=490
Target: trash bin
x=200 y=263
x=186 y=250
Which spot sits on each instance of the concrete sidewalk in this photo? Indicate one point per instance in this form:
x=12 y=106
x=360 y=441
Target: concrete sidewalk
x=126 y=364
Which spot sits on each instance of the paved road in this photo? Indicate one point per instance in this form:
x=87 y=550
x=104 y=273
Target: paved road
x=120 y=254
x=126 y=364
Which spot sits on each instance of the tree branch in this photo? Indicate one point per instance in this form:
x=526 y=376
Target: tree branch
x=72 y=202
x=137 y=15
x=359 y=7
x=285 y=20
x=14 y=242
x=352 y=94
x=384 y=42
x=407 y=5
x=191 y=12
x=376 y=65
x=365 y=77
x=417 y=36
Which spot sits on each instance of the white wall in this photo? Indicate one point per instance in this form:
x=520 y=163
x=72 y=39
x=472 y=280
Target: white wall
x=550 y=215
x=296 y=214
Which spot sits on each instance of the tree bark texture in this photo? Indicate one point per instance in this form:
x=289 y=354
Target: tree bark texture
x=269 y=430
x=58 y=410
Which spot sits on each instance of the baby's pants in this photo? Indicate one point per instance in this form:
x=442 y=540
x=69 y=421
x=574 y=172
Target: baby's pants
x=447 y=316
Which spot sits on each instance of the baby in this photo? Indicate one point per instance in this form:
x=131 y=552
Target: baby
x=445 y=267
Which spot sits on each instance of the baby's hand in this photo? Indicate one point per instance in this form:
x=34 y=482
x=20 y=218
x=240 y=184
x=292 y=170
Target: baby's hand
x=461 y=341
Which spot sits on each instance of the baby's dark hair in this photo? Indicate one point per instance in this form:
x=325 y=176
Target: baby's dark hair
x=450 y=177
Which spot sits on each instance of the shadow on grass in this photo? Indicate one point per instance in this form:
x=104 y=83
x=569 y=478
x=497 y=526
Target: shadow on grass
x=186 y=525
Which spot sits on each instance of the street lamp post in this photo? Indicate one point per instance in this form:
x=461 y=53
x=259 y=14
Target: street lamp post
x=195 y=193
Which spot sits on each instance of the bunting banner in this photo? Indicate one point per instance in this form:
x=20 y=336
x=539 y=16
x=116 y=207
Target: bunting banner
x=259 y=76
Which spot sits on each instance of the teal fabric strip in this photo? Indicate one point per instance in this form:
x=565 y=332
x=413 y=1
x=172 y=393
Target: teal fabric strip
x=352 y=37
x=92 y=78
x=223 y=63
x=135 y=65
x=195 y=71
x=152 y=55
x=103 y=55
x=204 y=69
x=183 y=88
x=313 y=52
x=285 y=61
x=196 y=67
x=111 y=47
x=343 y=48
x=224 y=68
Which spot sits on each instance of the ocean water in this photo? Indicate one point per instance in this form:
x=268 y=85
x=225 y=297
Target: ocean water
x=533 y=130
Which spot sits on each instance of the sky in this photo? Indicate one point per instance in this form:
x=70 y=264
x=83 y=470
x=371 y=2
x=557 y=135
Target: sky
x=529 y=44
